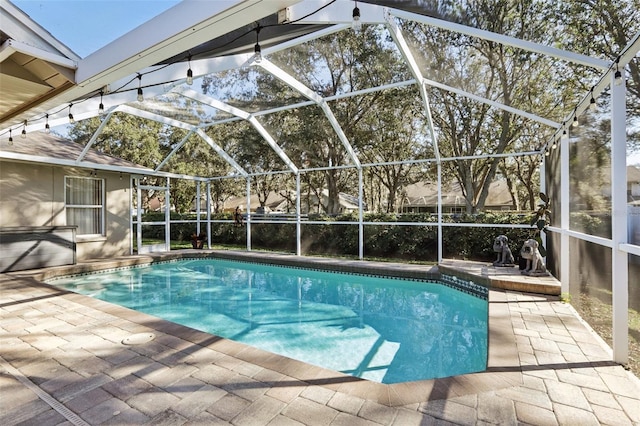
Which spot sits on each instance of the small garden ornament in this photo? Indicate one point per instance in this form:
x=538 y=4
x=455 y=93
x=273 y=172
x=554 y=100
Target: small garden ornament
x=197 y=241
x=501 y=246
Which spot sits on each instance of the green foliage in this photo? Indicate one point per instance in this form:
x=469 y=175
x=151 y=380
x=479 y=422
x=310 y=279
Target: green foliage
x=419 y=243
x=592 y=224
x=541 y=218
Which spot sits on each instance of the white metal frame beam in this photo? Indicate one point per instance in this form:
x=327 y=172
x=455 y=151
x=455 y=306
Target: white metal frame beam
x=401 y=43
x=9 y=47
x=221 y=152
x=208 y=100
x=505 y=40
x=311 y=95
x=174 y=150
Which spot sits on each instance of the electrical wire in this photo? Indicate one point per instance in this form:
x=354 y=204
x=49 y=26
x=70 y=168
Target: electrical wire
x=100 y=91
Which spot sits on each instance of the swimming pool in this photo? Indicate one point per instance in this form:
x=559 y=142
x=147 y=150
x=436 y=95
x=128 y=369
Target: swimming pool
x=380 y=329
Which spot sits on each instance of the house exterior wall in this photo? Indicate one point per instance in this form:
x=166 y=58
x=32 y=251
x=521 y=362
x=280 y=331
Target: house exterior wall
x=33 y=195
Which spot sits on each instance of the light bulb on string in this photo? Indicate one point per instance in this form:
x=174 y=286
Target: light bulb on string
x=617 y=77
x=257 y=50
x=71 y=120
x=189 y=73
x=24 y=130
x=592 y=103
x=140 y=96
x=575 y=123
x=101 y=106
x=10 y=138
x=47 y=128
x=356 y=24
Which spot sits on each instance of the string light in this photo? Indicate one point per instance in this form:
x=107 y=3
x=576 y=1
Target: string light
x=617 y=77
x=140 y=95
x=356 y=24
x=546 y=152
x=24 y=130
x=592 y=103
x=575 y=123
x=554 y=145
x=10 y=138
x=71 y=120
x=47 y=128
x=564 y=134
x=257 y=49
x=101 y=106
x=189 y=73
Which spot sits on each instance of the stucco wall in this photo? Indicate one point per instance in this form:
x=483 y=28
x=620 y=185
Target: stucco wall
x=33 y=195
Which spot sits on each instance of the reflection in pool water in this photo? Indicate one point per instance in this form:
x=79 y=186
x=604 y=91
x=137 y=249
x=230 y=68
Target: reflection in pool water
x=380 y=329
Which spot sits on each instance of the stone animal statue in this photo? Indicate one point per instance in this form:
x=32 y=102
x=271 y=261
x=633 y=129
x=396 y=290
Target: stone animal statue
x=535 y=264
x=501 y=246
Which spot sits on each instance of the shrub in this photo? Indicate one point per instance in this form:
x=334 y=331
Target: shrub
x=383 y=241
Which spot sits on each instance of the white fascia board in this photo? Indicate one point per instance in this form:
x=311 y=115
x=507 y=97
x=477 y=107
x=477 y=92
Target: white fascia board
x=11 y=46
x=505 y=40
x=221 y=152
x=340 y=12
x=19 y=26
x=187 y=24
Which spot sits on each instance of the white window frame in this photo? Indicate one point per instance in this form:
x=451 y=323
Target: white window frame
x=101 y=206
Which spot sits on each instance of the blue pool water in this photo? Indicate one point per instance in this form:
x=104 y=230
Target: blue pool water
x=380 y=329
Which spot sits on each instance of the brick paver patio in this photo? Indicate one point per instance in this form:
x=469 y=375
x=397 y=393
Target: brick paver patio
x=63 y=361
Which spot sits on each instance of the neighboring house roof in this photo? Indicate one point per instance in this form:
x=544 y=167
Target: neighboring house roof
x=633 y=174
x=39 y=147
x=276 y=202
x=426 y=194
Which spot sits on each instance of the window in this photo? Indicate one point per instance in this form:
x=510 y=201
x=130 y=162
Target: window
x=84 y=202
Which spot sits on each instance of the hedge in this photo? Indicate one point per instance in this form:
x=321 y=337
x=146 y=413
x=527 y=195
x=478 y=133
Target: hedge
x=416 y=242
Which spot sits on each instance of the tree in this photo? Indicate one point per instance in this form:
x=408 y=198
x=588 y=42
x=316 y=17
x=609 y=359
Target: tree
x=493 y=71
x=393 y=131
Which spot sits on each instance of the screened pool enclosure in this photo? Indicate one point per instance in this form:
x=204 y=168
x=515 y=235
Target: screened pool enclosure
x=345 y=105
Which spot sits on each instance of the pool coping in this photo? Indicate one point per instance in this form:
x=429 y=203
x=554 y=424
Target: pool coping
x=503 y=365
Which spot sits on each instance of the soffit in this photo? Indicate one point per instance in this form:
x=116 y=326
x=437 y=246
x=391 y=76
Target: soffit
x=34 y=66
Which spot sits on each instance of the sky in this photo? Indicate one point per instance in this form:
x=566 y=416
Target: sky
x=85 y=26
